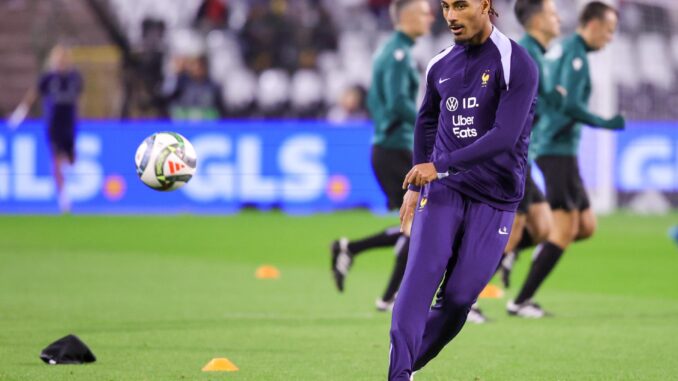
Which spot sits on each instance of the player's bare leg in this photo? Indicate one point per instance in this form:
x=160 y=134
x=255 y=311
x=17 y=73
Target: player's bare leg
x=565 y=228
x=59 y=162
x=519 y=224
x=539 y=221
x=587 y=224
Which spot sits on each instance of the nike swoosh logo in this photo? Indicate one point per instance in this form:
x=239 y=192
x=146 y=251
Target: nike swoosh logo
x=503 y=231
x=441 y=81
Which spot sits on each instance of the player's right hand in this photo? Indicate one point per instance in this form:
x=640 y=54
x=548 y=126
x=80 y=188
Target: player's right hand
x=420 y=175
x=616 y=123
x=407 y=211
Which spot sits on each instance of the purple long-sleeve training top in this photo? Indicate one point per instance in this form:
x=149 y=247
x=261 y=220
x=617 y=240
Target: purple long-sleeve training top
x=476 y=117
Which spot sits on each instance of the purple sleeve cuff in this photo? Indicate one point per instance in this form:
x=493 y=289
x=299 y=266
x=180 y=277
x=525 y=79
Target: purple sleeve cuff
x=440 y=166
x=414 y=188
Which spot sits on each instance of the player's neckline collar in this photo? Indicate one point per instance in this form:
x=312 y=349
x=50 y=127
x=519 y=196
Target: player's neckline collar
x=583 y=42
x=542 y=48
x=404 y=37
x=471 y=49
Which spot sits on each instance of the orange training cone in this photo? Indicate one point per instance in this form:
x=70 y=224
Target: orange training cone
x=220 y=365
x=492 y=292
x=267 y=272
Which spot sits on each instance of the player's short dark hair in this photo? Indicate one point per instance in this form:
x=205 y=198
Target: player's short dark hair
x=526 y=9
x=397 y=7
x=493 y=12
x=595 y=10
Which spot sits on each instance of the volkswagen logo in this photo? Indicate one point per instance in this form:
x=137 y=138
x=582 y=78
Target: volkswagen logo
x=452 y=103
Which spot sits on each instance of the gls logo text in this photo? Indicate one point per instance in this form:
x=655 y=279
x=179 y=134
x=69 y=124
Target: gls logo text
x=648 y=162
x=233 y=169
x=23 y=176
x=229 y=168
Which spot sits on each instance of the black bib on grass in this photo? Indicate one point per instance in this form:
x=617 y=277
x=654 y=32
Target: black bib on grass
x=67 y=350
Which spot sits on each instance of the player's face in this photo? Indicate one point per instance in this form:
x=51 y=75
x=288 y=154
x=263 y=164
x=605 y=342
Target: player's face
x=602 y=30
x=466 y=18
x=418 y=17
x=59 y=59
x=196 y=69
x=549 y=21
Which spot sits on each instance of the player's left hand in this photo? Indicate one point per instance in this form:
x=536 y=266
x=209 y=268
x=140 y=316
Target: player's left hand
x=407 y=211
x=18 y=116
x=617 y=123
x=420 y=175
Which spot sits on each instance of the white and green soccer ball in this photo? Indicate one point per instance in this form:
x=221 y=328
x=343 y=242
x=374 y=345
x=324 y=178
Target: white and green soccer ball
x=165 y=161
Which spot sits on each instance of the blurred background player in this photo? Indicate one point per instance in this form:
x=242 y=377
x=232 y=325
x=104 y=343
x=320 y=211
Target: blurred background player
x=533 y=216
x=192 y=95
x=59 y=87
x=350 y=107
x=533 y=219
x=556 y=143
x=391 y=101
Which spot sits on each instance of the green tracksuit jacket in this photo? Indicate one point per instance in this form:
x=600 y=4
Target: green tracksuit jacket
x=548 y=97
x=558 y=130
x=392 y=97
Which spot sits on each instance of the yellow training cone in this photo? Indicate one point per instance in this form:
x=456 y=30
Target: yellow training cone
x=492 y=292
x=220 y=365
x=267 y=272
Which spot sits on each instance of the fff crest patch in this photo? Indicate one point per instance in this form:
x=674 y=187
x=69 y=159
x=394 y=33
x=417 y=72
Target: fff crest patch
x=485 y=78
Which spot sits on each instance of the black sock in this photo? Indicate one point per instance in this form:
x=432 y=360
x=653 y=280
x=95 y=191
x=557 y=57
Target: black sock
x=525 y=242
x=386 y=238
x=543 y=264
x=402 y=248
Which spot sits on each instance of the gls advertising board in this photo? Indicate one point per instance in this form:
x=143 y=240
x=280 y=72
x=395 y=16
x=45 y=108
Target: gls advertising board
x=647 y=158
x=300 y=167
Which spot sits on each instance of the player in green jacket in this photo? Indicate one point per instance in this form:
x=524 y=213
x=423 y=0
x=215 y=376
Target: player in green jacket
x=392 y=104
x=532 y=222
x=555 y=143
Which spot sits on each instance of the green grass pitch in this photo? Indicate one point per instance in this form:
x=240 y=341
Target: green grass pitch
x=157 y=297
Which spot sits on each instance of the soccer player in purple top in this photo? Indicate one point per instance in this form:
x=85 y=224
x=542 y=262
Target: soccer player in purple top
x=470 y=155
x=59 y=87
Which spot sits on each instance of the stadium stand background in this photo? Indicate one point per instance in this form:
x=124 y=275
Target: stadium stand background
x=284 y=58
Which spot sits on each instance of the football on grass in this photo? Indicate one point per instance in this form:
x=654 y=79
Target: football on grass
x=165 y=161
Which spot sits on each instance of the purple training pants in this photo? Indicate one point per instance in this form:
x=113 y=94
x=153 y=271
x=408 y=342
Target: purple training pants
x=459 y=242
